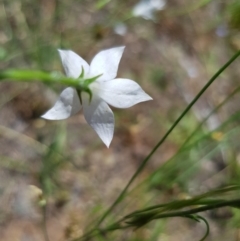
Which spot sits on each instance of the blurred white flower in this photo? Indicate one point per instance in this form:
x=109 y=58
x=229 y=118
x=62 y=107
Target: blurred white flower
x=120 y=29
x=146 y=8
x=120 y=93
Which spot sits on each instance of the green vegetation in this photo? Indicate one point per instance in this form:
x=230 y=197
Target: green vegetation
x=173 y=164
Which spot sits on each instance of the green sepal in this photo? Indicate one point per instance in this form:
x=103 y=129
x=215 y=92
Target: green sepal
x=90 y=94
x=87 y=90
x=82 y=73
x=87 y=82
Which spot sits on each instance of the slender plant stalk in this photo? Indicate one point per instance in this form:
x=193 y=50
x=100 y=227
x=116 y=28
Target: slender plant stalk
x=145 y=161
x=15 y=75
x=231 y=203
x=36 y=75
x=208 y=228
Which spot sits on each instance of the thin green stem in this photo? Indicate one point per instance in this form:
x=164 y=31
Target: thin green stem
x=207 y=226
x=47 y=78
x=145 y=161
x=36 y=75
x=229 y=203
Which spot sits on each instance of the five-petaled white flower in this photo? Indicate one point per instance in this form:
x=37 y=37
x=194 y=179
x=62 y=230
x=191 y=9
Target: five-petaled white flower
x=120 y=93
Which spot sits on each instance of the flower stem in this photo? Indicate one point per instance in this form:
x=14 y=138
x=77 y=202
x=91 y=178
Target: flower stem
x=145 y=161
x=31 y=75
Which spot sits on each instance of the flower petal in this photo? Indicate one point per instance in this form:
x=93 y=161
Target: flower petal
x=100 y=117
x=67 y=105
x=106 y=63
x=73 y=63
x=121 y=93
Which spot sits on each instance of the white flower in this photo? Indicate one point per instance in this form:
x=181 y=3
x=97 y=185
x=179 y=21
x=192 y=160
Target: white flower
x=120 y=93
x=147 y=8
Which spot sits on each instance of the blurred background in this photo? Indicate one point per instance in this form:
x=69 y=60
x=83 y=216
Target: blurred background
x=173 y=47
